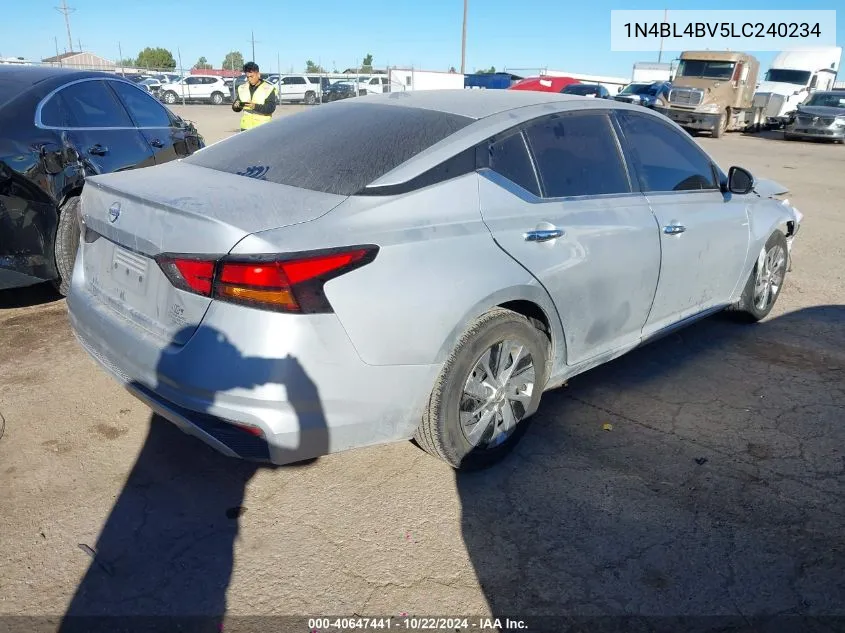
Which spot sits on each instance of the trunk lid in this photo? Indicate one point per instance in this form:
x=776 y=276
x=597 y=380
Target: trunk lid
x=130 y=217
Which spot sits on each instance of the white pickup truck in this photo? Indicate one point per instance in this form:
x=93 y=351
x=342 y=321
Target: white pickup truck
x=792 y=78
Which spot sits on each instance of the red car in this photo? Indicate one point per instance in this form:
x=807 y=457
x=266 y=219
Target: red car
x=544 y=83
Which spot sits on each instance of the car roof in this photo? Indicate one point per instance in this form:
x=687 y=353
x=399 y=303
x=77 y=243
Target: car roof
x=473 y=104
x=31 y=75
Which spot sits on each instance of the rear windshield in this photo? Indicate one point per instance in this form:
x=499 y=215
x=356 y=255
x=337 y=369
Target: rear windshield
x=336 y=149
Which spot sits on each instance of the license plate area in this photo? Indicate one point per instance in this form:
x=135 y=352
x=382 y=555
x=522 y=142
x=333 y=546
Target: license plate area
x=129 y=271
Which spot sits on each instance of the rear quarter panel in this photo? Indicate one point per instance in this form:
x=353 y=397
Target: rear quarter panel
x=437 y=269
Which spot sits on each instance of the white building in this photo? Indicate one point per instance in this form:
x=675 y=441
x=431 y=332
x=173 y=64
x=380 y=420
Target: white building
x=651 y=71
x=80 y=61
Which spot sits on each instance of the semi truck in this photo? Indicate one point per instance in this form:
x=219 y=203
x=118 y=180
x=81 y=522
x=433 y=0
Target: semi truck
x=792 y=78
x=713 y=91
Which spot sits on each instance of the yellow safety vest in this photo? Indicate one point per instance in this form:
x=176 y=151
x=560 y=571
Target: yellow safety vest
x=251 y=119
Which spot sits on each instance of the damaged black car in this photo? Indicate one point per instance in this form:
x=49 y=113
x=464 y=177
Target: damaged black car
x=58 y=126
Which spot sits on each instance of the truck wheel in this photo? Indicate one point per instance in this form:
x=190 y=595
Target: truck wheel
x=67 y=243
x=721 y=126
x=310 y=98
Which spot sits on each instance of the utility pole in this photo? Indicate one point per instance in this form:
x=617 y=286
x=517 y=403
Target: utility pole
x=464 y=41
x=59 y=59
x=252 y=33
x=120 y=52
x=660 y=54
x=66 y=11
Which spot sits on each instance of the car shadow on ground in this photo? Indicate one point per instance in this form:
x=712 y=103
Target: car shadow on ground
x=38 y=294
x=164 y=556
x=702 y=475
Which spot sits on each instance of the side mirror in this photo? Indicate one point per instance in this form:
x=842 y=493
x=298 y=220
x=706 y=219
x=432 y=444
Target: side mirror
x=740 y=181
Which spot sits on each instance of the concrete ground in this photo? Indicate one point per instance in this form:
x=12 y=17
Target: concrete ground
x=719 y=488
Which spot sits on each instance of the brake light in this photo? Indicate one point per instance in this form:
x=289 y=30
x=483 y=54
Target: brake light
x=284 y=283
x=193 y=275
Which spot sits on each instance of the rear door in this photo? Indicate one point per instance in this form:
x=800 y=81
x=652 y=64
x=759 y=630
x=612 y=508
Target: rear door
x=166 y=141
x=96 y=128
x=704 y=233
x=572 y=219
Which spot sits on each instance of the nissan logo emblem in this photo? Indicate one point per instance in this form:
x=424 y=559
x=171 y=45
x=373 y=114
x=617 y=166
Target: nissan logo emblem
x=114 y=212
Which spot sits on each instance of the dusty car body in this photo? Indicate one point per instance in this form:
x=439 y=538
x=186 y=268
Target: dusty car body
x=282 y=299
x=59 y=127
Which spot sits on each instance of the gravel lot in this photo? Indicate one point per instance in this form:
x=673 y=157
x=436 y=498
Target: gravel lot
x=719 y=489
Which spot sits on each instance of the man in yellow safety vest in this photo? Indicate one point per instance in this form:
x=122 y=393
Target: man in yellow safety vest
x=256 y=98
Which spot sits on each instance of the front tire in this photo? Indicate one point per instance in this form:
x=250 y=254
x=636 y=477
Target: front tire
x=486 y=392
x=170 y=97
x=67 y=244
x=721 y=126
x=765 y=283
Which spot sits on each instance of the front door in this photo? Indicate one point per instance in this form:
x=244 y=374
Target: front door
x=704 y=233
x=96 y=128
x=577 y=226
x=166 y=139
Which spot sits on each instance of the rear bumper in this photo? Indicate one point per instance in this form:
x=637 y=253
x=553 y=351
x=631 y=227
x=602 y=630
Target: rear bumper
x=296 y=380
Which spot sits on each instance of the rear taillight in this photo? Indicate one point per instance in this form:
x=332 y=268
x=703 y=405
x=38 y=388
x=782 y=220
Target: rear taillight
x=288 y=283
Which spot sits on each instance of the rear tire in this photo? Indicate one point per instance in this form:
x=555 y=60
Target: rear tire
x=502 y=393
x=67 y=244
x=765 y=283
x=217 y=98
x=310 y=98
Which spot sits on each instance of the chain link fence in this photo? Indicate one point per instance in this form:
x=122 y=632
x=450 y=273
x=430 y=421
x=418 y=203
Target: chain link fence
x=186 y=85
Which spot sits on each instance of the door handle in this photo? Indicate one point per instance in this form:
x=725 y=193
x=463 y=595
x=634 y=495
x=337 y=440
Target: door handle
x=98 y=150
x=674 y=229
x=156 y=143
x=542 y=235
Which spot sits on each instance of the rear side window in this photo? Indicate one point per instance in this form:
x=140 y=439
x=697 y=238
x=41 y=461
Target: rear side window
x=577 y=155
x=509 y=157
x=338 y=148
x=87 y=104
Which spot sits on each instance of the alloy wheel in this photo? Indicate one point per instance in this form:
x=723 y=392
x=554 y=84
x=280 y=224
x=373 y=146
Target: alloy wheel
x=769 y=277
x=497 y=393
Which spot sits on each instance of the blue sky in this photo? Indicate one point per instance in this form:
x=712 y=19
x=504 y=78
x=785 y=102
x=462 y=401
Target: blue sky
x=572 y=36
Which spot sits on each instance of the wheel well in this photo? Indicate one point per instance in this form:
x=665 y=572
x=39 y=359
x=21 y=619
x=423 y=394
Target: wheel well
x=70 y=194
x=532 y=312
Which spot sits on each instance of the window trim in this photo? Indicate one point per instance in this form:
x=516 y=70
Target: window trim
x=40 y=124
x=628 y=150
x=607 y=114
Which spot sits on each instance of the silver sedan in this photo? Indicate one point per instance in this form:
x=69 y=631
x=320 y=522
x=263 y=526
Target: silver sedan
x=413 y=265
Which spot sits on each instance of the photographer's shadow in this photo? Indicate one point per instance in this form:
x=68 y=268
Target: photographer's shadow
x=166 y=549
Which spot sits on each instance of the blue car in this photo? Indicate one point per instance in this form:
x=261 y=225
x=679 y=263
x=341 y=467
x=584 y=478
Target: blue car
x=646 y=94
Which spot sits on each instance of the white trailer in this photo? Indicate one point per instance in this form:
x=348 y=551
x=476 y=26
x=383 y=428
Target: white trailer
x=413 y=79
x=792 y=78
x=646 y=72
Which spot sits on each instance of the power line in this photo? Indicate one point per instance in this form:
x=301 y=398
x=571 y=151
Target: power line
x=66 y=11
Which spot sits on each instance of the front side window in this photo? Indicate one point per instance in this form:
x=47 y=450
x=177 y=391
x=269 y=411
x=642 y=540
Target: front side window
x=577 y=155
x=666 y=159
x=146 y=111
